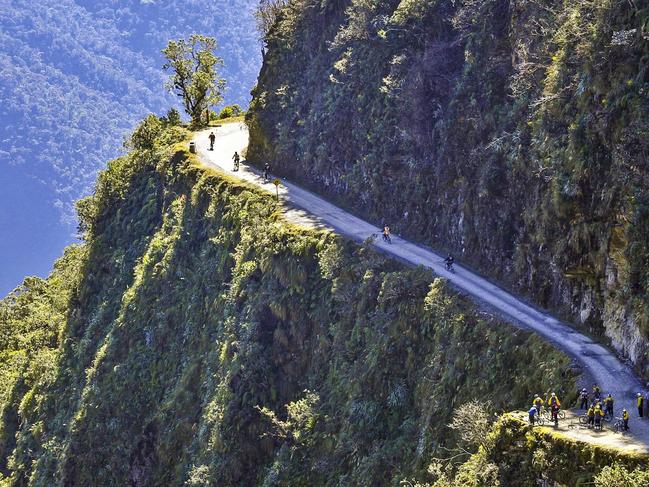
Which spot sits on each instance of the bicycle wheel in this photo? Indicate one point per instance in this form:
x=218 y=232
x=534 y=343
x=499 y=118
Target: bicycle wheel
x=540 y=420
x=583 y=419
x=562 y=414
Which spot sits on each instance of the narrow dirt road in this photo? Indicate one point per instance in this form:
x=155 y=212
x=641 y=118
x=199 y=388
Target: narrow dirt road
x=303 y=207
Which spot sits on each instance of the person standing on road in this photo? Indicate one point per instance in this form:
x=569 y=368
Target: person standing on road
x=212 y=139
x=640 y=404
x=532 y=414
x=599 y=414
x=266 y=172
x=591 y=416
x=554 y=401
x=538 y=403
x=584 y=399
x=625 y=419
x=237 y=159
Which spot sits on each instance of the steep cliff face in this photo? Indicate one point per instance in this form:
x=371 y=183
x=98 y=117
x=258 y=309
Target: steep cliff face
x=515 y=134
x=196 y=339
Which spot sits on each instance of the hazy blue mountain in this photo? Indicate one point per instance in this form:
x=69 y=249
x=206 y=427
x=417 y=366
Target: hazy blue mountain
x=75 y=76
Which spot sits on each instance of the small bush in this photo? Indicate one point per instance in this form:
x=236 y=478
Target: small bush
x=230 y=111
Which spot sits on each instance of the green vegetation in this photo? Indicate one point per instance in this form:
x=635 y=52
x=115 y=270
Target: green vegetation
x=194 y=76
x=514 y=134
x=197 y=339
x=230 y=111
x=31 y=320
x=513 y=453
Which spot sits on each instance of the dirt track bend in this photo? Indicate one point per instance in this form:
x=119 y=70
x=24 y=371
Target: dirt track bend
x=306 y=208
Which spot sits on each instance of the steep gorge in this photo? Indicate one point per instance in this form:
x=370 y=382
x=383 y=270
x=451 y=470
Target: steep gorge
x=173 y=339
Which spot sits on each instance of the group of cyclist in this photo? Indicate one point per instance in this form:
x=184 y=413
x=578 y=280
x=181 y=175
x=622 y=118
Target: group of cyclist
x=597 y=406
x=449 y=261
x=236 y=158
x=553 y=403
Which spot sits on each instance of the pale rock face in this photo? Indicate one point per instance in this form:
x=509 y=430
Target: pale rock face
x=586 y=307
x=611 y=274
x=623 y=331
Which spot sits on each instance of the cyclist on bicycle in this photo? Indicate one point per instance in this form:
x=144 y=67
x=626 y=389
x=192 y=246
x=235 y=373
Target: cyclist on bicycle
x=555 y=405
x=236 y=158
x=449 y=262
x=625 y=419
x=608 y=405
x=386 y=234
x=554 y=401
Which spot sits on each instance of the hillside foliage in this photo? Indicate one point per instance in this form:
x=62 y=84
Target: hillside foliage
x=195 y=338
x=513 y=133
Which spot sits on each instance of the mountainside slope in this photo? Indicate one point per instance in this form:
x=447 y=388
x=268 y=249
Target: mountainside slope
x=193 y=315
x=512 y=133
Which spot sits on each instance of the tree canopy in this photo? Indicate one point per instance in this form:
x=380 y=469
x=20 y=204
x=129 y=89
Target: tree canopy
x=194 y=74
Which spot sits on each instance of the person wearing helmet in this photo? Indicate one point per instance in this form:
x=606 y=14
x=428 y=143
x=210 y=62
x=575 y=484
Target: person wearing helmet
x=449 y=261
x=555 y=405
x=554 y=400
x=591 y=416
x=625 y=419
x=599 y=414
x=640 y=404
x=532 y=414
x=538 y=403
x=584 y=399
x=608 y=405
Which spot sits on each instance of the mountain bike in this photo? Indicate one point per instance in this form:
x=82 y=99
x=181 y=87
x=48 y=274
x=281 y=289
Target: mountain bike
x=548 y=414
x=539 y=420
x=618 y=426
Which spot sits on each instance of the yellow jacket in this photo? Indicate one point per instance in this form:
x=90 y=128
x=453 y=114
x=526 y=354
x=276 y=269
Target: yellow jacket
x=625 y=415
x=556 y=399
x=640 y=398
x=600 y=412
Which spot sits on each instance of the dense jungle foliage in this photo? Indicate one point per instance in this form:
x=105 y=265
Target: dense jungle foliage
x=514 y=133
x=197 y=339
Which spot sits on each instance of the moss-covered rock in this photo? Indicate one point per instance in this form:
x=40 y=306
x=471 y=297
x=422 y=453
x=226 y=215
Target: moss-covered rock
x=513 y=133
